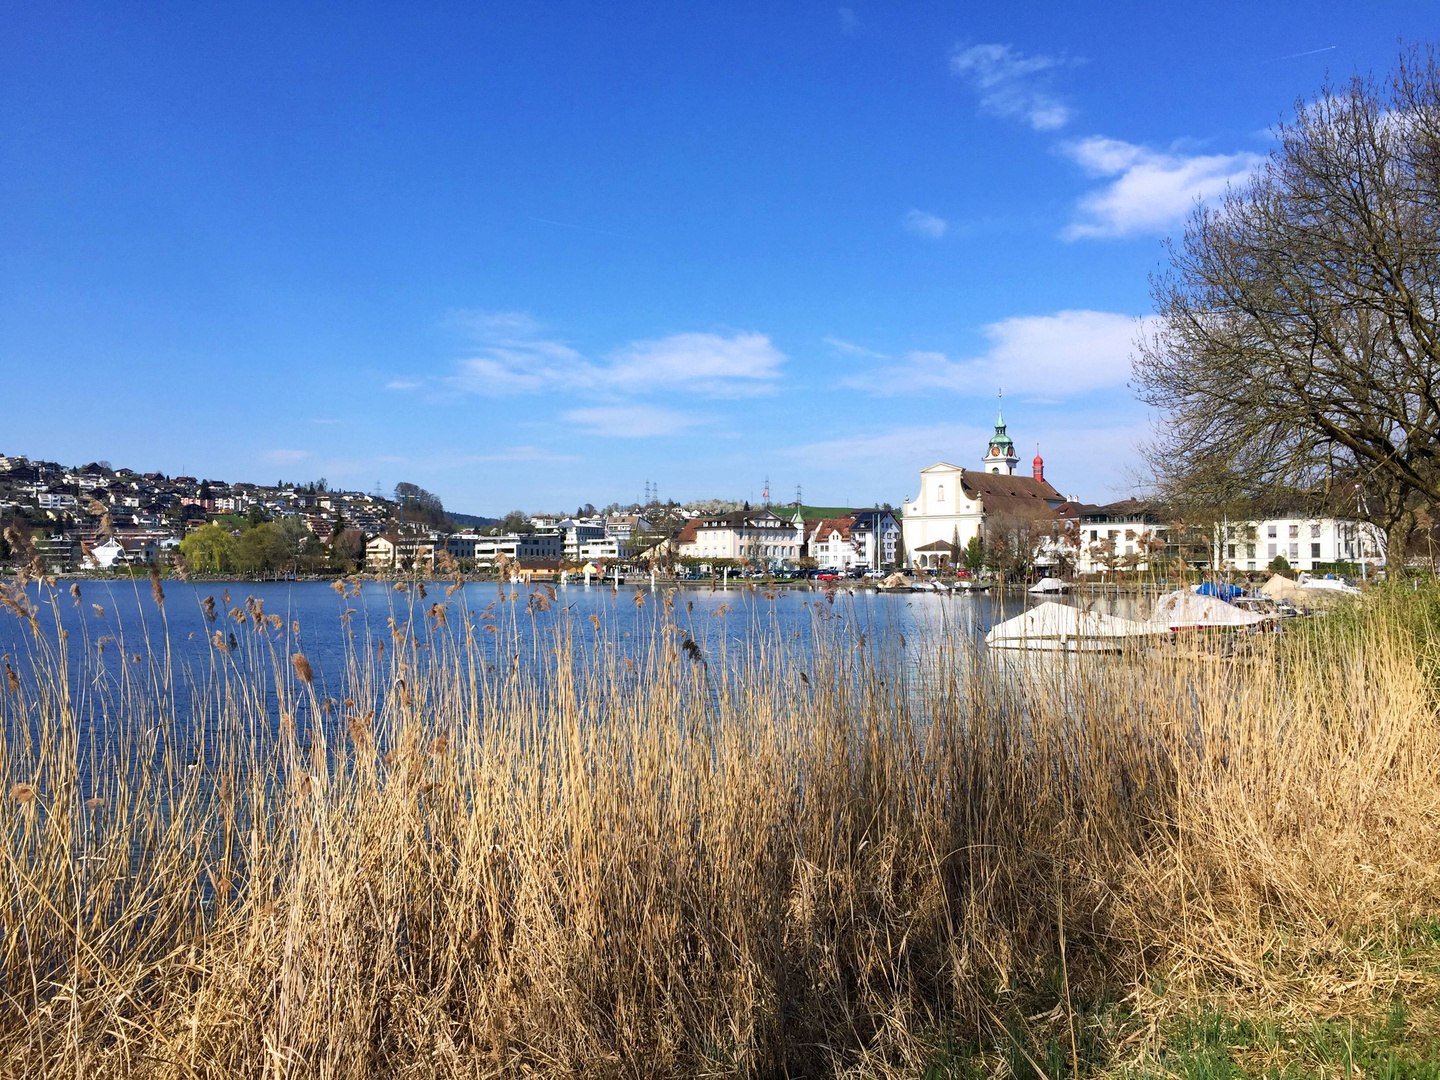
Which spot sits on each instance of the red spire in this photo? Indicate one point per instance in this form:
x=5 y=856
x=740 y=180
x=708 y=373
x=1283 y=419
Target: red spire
x=1039 y=465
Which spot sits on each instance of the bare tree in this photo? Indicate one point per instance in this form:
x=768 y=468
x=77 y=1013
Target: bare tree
x=1296 y=345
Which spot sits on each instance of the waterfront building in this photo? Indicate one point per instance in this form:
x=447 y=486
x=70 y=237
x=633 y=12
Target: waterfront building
x=956 y=504
x=760 y=536
x=862 y=539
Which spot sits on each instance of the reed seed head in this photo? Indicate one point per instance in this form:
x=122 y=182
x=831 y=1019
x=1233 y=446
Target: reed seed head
x=302 y=668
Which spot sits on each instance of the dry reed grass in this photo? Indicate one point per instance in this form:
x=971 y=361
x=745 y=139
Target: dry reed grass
x=682 y=857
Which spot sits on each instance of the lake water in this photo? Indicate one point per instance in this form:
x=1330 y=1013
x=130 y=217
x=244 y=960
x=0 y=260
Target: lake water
x=123 y=616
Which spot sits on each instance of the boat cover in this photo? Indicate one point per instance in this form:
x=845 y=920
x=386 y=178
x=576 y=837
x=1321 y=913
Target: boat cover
x=1182 y=610
x=1050 y=622
x=1049 y=585
x=1223 y=591
x=1281 y=587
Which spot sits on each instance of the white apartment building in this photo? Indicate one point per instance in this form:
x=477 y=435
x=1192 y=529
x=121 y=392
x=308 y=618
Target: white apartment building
x=55 y=500
x=1304 y=542
x=518 y=547
x=761 y=536
x=578 y=532
x=866 y=539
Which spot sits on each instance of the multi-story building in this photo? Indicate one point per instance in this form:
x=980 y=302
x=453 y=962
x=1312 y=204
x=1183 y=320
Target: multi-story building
x=862 y=539
x=761 y=536
x=392 y=552
x=579 y=531
x=55 y=500
x=1304 y=542
x=518 y=547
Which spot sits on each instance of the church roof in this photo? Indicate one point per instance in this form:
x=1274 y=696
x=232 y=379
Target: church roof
x=1017 y=496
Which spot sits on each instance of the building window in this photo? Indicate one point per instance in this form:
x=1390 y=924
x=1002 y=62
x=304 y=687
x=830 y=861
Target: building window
x=1294 y=531
x=940 y=493
x=1232 y=551
x=1314 y=531
x=1270 y=532
x=1272 y=551
x=1294 y=553
x=1314 y=551
x=1250 y=552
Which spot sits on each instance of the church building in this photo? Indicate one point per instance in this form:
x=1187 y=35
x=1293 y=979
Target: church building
x=956 y=504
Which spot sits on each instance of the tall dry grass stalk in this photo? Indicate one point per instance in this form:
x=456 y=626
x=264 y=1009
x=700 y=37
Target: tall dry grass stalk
x=525 y=845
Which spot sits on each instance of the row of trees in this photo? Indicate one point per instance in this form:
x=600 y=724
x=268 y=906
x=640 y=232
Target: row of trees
x=285 y=546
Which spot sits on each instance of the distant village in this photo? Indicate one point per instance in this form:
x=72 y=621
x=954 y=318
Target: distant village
x=95 y=518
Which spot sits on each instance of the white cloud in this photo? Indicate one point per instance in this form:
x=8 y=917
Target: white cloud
x=1065 y=353
x=515 y=359
x=927 y=445
x=628 y=421
x=1010 y=84
x=742 y=364
x=925 y=224
x=285 y=457
x=403 y=384
x=1150 y=190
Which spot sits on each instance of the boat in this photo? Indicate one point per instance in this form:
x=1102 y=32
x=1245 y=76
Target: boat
x=973 y=585
x=1050 y=585
x=895 y=583
x=1182 y=610
x=1052 y=627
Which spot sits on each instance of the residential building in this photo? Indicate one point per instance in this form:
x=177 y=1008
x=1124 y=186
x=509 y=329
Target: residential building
x=518 y=547
x=579 y=531
x=761 y=536
x=1305 y=542
x=392 y=552
x=1125 y=535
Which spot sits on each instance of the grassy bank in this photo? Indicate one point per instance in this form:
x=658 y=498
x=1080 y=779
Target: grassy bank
x=479 y=851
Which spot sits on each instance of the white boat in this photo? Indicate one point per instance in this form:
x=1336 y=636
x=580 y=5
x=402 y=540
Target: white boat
x=974 y=585
x=1181 y=610
x=1332 y=584
x=1050 y=585
x=1053 y=627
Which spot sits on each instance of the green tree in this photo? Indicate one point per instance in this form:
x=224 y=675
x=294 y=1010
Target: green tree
x=209 y=550
x=1280 y=565
x=261 y=549
x=974 y=555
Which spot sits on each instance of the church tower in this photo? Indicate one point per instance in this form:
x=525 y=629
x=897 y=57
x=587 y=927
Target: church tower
x=1001 y=457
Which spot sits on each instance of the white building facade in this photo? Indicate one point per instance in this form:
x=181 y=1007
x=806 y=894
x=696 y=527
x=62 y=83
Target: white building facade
x=955 y=505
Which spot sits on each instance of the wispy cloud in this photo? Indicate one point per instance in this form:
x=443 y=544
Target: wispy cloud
x=629 y=421
x=1068 y=352
x=515 y=357
x=1012 y=85
x=922 y=223
x=285 y=457
x=403 y=384
x=1149 y=191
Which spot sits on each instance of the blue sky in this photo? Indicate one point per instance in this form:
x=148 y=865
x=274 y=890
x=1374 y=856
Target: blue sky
x=531 y=255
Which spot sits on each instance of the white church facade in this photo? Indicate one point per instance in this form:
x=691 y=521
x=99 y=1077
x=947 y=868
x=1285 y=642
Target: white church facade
x=956 y=504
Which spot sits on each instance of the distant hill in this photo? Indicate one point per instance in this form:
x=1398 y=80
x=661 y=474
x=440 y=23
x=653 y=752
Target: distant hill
x=472 y=521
